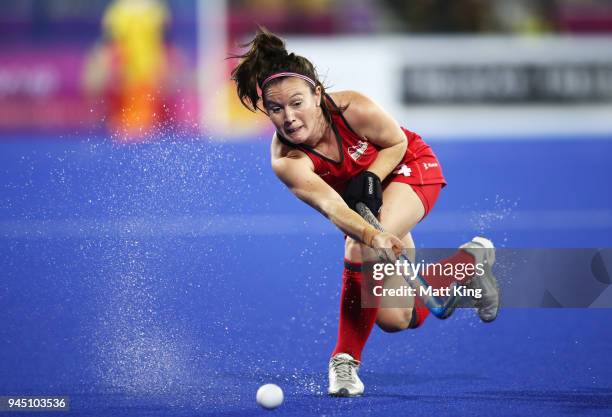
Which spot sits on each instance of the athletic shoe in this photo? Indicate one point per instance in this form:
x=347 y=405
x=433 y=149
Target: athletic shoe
x=343 y=378
x=483 y=252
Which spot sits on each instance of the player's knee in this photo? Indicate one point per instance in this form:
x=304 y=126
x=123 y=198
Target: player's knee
x=396 y=320
x=352 y=250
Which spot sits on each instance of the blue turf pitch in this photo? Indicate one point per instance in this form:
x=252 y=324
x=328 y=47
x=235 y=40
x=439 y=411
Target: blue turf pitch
x=172 y=279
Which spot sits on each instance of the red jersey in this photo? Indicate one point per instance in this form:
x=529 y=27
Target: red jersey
x=419 y=166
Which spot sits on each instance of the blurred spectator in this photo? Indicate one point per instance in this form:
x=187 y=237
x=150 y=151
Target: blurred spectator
x=524 y=16
x=505 y=16
x=131 y=66
x=457 y=16
x=588 y=16
x=302 y=16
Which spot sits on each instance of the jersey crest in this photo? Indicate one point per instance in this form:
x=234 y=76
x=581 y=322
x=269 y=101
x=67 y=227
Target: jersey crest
x=358 y=150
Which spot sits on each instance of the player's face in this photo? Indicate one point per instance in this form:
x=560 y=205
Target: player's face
x=294 y=109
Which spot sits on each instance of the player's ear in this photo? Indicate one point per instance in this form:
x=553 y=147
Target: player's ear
x=318 y=95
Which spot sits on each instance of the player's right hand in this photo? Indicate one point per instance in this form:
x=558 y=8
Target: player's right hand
x=389 y=244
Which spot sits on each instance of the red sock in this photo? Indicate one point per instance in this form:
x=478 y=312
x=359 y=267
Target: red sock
x=355 y=322
x=420 y=311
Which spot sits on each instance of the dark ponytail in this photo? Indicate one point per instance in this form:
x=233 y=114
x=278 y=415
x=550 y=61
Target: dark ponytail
x=267 y=55
x=265 y=52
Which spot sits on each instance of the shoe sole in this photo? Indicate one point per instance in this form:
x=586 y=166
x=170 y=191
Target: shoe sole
x=343 y=393
x=489 y=276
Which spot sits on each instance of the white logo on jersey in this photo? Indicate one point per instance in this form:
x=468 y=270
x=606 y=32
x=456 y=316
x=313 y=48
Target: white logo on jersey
x=404 y=170
x=428 y=165
x=356 y=151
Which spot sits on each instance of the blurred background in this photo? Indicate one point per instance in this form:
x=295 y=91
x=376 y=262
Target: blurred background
x=130 y=67
x=149 y=259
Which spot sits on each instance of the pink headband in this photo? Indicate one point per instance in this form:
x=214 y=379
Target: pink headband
x=287 y=74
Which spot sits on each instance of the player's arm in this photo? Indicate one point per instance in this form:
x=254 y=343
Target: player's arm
x=296 y=172
x=371 y=121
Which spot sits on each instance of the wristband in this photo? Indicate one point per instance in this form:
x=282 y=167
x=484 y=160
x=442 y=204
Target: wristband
x=368 y=235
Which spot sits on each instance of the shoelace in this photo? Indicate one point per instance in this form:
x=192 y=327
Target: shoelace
x=343 y=368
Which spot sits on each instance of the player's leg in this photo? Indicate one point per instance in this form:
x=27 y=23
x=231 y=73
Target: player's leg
x=403 y=208
x=405 y=205
x=356 y=322
x=354 y=328
x=396 y=313
x=401 y=211
x=478 y=251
